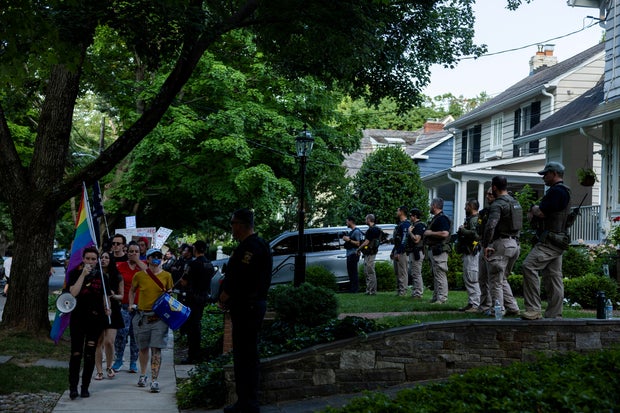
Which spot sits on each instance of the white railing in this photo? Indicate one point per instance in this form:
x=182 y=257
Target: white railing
x=586 y=226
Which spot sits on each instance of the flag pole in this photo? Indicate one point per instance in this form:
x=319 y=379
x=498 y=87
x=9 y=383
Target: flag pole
x=91 y=229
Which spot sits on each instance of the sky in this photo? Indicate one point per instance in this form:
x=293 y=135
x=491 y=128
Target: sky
x=501 y=29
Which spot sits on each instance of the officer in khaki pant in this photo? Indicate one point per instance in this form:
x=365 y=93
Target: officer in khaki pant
x=549 y=220
x=436 y=239
x=500 y=238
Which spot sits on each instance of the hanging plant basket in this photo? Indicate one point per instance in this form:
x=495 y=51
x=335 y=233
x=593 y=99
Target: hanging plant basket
x=588 y=181
x=586 y=176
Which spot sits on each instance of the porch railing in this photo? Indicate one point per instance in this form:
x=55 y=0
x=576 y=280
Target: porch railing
x=586 y=227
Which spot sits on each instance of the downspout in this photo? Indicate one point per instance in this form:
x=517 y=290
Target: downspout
x=551 y=97
x=457 y=201
x=603 y=188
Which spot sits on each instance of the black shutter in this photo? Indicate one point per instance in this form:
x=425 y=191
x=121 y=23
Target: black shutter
x=477 y=135
x=535 y=116
x=464 y=147
x=517 y=124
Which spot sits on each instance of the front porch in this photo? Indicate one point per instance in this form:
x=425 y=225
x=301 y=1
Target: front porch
x=587 y=228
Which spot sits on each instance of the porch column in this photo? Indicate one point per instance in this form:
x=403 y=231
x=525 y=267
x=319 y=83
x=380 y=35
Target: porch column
x=481 y=194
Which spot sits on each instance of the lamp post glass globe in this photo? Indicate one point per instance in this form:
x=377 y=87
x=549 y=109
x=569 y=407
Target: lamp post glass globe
x=304 y=143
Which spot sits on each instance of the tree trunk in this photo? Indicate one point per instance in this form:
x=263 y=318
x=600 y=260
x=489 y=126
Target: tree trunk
x=34 y=237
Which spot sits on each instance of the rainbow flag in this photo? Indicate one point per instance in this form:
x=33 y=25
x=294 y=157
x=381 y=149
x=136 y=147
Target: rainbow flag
x=84 y=237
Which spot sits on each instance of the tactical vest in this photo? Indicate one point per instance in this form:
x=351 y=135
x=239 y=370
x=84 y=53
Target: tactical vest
x=433 y=241
x=410 y=245
x=556 y=222
x=511 y=220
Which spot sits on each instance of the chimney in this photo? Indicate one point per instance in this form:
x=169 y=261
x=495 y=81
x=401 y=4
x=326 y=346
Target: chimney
x=543 y=58
x=432 y=125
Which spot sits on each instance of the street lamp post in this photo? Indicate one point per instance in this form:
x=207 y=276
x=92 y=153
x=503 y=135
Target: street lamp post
x=303 y=142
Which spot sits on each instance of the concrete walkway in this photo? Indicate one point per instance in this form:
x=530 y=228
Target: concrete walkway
x=121 y=394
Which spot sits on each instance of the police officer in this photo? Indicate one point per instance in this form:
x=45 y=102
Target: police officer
x=399 y=255
x=416 y=254
x=468 y=242
x=500 y=240
x=196 y=282
x=549 y=219
x=369 y=248
x=244 y=293
x=436 y=238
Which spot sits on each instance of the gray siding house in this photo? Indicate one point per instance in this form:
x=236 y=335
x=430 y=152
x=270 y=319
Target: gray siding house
x=486 y=140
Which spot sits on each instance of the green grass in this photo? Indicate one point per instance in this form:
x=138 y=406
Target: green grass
x=388 y=302
x=19 y=375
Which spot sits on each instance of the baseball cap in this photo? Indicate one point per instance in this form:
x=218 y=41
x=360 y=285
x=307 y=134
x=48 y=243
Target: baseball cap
x=153 y=251
x=552 y=167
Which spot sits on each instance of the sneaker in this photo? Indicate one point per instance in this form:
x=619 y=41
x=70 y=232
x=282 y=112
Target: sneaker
x=142 y=381
x=531 y=315
x=133 y=368
x=154 y=387
x=117 y=365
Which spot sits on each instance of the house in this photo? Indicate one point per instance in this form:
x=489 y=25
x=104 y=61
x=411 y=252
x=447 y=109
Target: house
x=430 y=147
x=586 y=133
x=486 y=140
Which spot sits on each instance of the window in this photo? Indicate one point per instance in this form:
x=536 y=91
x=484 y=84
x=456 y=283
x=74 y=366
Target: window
x=525 y=118
x=326 y=241
x=470 y=145
x=497 y=132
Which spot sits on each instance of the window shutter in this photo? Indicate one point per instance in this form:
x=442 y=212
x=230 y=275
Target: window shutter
x=464 y=147
x=517 y=123
x=535 y=115
x=477 y=135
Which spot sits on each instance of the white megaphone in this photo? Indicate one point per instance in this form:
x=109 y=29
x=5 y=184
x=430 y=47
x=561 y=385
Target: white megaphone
x=65 y=303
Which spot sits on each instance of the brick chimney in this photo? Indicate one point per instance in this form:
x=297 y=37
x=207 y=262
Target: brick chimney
x=543 y=58
x=432 y=125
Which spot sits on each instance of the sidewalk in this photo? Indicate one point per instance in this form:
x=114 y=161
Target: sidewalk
x=121 y=394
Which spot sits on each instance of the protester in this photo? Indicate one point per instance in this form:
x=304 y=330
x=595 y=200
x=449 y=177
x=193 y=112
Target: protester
x=150 y=331
x=369 y=249
x=549 y=220
x=500 y=240
x=415 y=238
x=143 y=243
x=248 y=277
x=436 y=238
x=118 y=248
x=468 y=240
x=128 y=269
x=115 y=290
x=399 y=255
x=197 y=285
x=352 y=241
x=88 y=319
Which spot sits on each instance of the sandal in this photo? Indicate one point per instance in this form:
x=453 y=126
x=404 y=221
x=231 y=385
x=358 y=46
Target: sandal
x=99 y=376
x=110 y=373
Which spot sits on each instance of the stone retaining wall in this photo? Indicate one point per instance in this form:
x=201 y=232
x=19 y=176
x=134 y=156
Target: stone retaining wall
x=422 y=352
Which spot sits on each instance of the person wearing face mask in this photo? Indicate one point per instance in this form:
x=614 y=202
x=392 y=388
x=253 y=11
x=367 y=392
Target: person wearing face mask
x=150 y=331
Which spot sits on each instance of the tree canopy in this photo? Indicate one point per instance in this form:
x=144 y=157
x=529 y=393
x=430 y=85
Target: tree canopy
x=387 y=179
x=138 y=55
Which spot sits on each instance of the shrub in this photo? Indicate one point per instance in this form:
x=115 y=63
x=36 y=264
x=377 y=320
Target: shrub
x=386 y=278
x=455 y=271
x=516 y=284
x=307 y=304
x=576 y=262
x=212 y=330
x=320 y=276
x=205 y=386
x=583 y=290
x=564 y=383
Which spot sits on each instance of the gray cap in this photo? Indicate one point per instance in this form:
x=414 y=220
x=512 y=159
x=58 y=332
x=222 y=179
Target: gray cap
x=552 y=167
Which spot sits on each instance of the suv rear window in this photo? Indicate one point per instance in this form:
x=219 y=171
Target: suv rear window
x=326 y=241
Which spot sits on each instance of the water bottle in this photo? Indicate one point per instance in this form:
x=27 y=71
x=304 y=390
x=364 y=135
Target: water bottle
x=498 y=310
x=609 y=310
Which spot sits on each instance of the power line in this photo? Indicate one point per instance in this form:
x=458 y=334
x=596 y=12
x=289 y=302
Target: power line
x=531 y=44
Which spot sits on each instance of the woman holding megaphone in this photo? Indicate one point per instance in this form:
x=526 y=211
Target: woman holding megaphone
x=88 y=319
